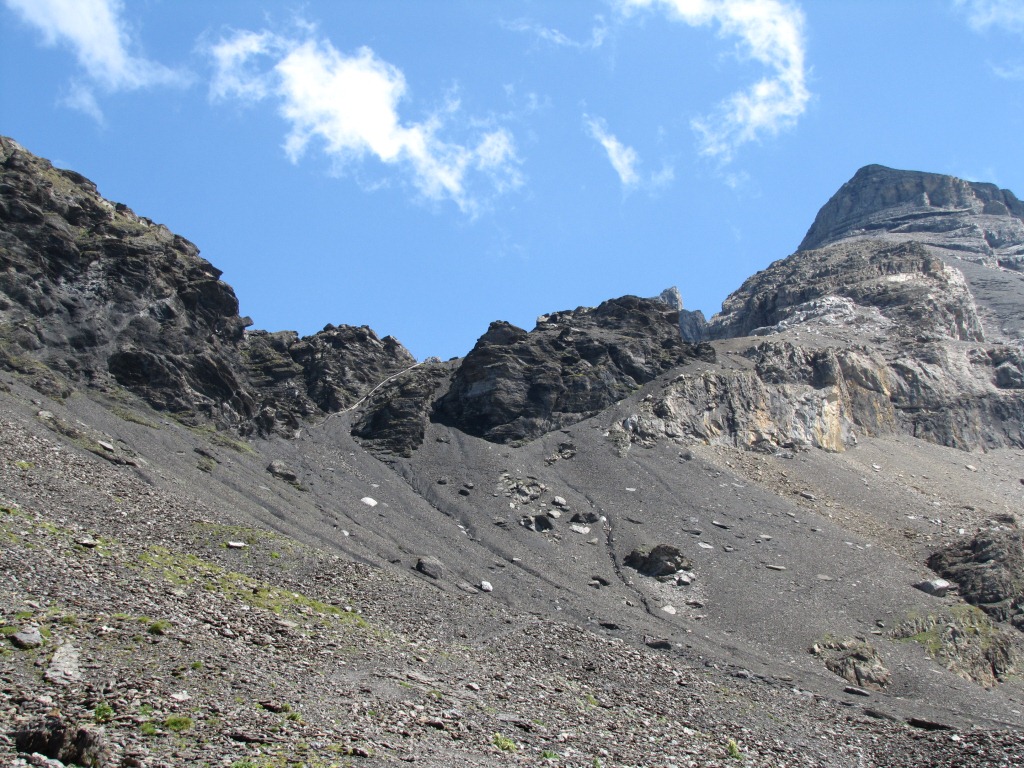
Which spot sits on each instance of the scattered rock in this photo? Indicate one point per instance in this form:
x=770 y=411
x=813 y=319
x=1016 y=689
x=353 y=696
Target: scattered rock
x=27 y=638
x=663 y=560
x=934 y=587
x=55 y=738
x=430 y=566
x=369 y=501
x=282 y=471
x=486 y=586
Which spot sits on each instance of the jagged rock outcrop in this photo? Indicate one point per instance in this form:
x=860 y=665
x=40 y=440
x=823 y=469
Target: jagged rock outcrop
x=967 y=642
x=897 y=289
x=693 y=326
x=94 y=293
x=297 y=378
x=90 y=292
x=988 y=570
x=394 y=418
x=516 y=385
x=855 y=660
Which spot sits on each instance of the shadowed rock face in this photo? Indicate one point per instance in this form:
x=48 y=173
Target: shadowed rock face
x=989 y=571
x=299 y=378
x=90 y=292
x=101 y=295
x=516 y=385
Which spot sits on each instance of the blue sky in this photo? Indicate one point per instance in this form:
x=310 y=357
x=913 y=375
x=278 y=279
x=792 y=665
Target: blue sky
x=427 y=167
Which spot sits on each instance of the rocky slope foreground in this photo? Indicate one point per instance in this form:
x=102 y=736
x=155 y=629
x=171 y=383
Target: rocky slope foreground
x=594 y=543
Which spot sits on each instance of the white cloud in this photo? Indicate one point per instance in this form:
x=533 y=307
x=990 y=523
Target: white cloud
x=623 y=158
x=1007 y=15
x=771 y=33
x=97 y=34
x=1008 y=71
x=554 y=37
x=349 y=104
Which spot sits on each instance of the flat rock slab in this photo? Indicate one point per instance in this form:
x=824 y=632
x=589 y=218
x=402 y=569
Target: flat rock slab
x=64 y=669
x=27 y=638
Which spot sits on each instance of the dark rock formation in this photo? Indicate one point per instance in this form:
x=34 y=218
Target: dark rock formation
x=296 y=378
x=100 y=295
x=394 y=418
x=663 y=560
x=53 y=737
x=516 y=385
x=92 y=293
x=989 y=571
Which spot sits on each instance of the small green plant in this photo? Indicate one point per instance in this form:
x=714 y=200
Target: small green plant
x=293 y=716
x=549 y=754
x=732 y=749
x=178 y=723
x=147 y=728
x=196 y=665
x=146 y=710
x=24 y=465
x=275 y=555
x=103 y=713
x=159 y=627
x=504 y=743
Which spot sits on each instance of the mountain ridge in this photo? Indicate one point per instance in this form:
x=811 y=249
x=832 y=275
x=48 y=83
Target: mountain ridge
x=438 y=561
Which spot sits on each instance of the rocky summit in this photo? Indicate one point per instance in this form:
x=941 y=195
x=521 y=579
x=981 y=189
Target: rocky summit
x=789 y=535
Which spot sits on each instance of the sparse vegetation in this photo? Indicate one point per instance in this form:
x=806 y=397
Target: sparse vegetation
x=732 y=750
x=103 y=712
x=178 y=723
x=504 y=743
x=148 y=728
x=159 y=627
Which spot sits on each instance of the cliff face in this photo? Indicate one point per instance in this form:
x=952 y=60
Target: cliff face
x=91 y=293
x=899 y=314
x=962 y=215
x=516 y=385
x=906 y=283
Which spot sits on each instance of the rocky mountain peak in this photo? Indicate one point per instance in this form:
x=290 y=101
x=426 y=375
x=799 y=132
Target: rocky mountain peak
x=881 y=200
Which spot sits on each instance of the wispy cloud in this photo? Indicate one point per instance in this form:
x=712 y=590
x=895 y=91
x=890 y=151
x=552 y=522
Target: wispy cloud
x=771 y=33
x=999 y=15
x=559 y=39
x=624 y=159
x=97 y=34
x=349 y=105
x=1007 y=15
